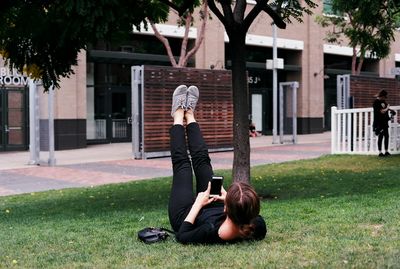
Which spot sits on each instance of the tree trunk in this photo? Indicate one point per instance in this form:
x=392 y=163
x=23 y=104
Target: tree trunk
x=360 y=63
x=200 y=33
x=166 y=44
x=354 y=62
x=241 y=143
x=188 y=21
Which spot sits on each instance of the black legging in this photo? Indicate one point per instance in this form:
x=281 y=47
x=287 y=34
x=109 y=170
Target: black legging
x=182 y=197
x=383 y=134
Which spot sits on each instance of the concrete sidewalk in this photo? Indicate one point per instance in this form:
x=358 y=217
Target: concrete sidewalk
x=113 y=163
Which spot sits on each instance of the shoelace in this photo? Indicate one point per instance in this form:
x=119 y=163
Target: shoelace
x=182 y=102
x=190 y=105
x=187 y=99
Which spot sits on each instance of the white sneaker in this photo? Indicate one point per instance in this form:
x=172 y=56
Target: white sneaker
x=192 y=98
x=179 y=98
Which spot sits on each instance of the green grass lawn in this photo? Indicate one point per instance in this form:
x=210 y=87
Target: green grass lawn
x=330 y=212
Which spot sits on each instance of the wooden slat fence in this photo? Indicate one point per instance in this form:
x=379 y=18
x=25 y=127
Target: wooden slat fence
x=214 y=111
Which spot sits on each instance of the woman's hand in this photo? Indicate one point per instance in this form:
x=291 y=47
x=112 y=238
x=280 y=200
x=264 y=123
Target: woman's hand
x=204 y=198
x=222 y=196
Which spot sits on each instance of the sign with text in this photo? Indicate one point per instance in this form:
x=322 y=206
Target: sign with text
x=395 y=71
x=12 y=77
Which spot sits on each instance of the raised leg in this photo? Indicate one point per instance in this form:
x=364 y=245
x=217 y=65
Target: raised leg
x=182 y=197
x=199 y=153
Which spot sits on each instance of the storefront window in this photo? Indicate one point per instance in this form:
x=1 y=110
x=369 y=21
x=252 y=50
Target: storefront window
x=109 y=83
x=12 y=118
x=1 y=120
x=328 y=7
x=96 y=113
x=96 y=117
x=119 y=74
x=108 y=99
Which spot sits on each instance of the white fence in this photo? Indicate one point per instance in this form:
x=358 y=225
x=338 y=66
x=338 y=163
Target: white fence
x=352 y=131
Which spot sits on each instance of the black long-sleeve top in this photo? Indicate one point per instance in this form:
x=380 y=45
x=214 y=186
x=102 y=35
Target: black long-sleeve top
x=206 y=226
x=380 y=119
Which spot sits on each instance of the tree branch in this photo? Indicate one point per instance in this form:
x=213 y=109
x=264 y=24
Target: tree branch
x=275 y=16
x=360 y=62
x=226 y=8
x=188 y=22
x=165 y=43
x=200 y=36
x=251 y=17
x=354 y=61
x=238 y=11
x=217 y=12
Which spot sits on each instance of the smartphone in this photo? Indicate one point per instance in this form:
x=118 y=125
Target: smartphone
x=216 y=184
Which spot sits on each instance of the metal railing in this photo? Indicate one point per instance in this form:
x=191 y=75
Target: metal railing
x=101 y=131
x=119 y=128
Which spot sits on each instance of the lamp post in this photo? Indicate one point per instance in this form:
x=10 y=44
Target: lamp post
x=274 y=86
x=274 y=64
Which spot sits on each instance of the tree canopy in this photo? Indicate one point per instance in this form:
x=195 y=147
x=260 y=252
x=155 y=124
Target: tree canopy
x=45 y=36
x=369 y=26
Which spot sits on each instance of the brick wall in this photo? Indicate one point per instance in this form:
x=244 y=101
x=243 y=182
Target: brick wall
x=363 y=90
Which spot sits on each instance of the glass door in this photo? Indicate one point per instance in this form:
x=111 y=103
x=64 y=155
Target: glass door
x=261 y=110
x=120 y=114
x=12 y=119
x=2 y=119
x=108 y=103
x=257 y=111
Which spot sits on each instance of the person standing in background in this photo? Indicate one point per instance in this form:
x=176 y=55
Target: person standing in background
x=381 y=121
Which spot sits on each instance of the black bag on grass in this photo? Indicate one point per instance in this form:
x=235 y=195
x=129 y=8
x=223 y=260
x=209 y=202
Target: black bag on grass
x=151 y=235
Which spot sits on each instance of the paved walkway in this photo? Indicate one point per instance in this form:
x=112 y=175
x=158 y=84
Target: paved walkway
x=112 y=163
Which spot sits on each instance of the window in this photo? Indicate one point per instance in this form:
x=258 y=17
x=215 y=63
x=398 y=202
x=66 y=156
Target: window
x=328 y=7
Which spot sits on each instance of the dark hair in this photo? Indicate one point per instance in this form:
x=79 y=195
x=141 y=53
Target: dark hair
x=382 y=93
x=242 y=207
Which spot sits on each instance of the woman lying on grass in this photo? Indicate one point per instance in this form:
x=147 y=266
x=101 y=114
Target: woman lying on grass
x=229 y=217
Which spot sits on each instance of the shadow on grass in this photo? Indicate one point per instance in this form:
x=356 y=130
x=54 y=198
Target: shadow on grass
x=327 y=176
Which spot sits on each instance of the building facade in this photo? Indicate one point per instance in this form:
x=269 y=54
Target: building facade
x=94 y=104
